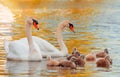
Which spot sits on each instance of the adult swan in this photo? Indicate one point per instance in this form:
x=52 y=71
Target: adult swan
x=44 y=47
x=25 y=48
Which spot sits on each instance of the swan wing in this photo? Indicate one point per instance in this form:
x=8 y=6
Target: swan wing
x=46 y=47
x=18 y=50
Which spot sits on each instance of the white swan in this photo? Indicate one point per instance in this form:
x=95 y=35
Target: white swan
x=26 y=48
x=49 y=49
x=44 y=46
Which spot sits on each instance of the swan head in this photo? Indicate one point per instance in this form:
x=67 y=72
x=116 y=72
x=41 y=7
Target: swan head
x=31 y=21
x=35 y=24
x=66 y=23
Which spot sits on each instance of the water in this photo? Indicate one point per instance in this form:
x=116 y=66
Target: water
x=96 y=25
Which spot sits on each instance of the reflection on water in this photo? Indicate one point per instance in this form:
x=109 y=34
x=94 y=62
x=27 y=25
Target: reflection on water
x=96 y=24
x=17 y=69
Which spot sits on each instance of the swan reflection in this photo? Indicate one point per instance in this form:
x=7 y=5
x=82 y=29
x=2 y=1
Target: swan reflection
x=18 y=68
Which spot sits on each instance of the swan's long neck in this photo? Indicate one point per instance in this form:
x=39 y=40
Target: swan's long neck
x=63 y=47
x=29 y=36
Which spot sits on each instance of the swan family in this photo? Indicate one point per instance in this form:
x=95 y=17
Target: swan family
x=33 y=48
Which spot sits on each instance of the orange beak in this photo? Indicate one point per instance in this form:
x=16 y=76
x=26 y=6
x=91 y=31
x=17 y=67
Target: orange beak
x=71 y=27
x=35 y=25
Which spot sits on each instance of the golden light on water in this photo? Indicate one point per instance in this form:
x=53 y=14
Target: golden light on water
x=44 y=9
x=6 y=16
x=50 y=13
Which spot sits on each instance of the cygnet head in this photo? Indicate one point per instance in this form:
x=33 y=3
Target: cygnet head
x=75 y=52
x=106 y=51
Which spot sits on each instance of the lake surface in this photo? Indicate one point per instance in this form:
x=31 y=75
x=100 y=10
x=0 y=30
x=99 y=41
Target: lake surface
x=97 y=26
